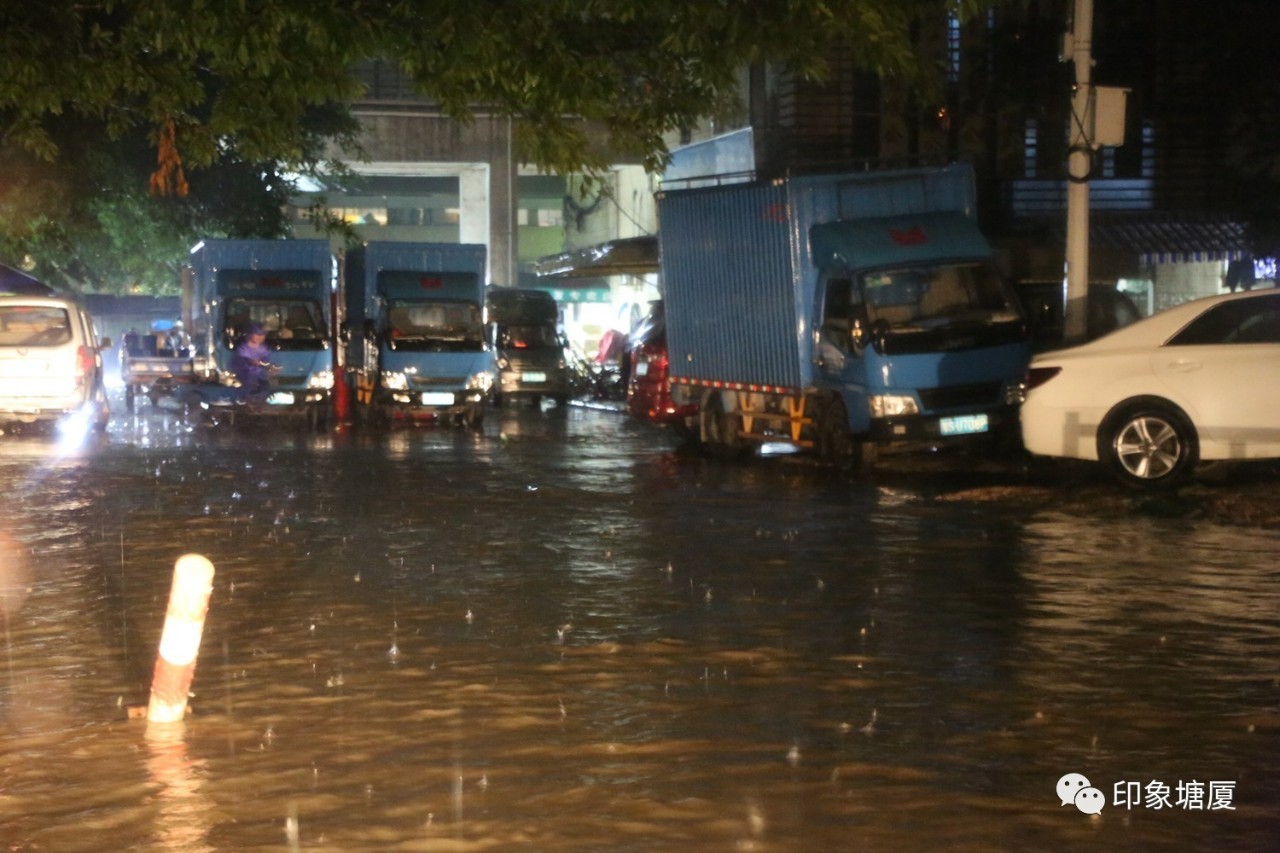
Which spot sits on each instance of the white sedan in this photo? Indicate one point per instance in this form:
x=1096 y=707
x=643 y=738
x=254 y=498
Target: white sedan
x=1199 y=381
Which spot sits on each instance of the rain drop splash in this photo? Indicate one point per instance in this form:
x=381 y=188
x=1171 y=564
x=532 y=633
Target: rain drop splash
x=291 y=827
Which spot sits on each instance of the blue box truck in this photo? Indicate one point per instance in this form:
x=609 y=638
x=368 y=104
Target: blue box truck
x=837 y=313
x=287 y=287
x=417 y=345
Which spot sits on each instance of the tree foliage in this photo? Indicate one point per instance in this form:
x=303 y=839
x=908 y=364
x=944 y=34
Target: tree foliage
x=204 y=87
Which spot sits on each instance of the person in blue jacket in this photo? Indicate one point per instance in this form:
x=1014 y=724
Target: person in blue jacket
x=252 y=366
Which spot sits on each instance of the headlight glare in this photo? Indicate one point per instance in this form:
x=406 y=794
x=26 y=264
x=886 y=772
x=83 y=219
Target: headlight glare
x=320 y=379
x=892 y=405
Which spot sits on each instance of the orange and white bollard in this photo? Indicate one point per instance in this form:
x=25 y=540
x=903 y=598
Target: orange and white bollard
x=180 y=641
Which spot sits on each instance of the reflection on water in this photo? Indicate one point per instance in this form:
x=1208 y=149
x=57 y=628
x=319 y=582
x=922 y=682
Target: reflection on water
x=559 y=635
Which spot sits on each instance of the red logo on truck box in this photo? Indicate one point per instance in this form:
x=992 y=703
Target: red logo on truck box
x=914 y=237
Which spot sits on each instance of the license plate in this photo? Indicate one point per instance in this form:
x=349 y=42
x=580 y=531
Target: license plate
x=437 y=398
x=963 y=425
x=533 y=377
x=642 y=368
x=280 y=398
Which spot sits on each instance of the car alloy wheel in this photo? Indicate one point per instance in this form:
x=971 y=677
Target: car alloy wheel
x=1149 y=445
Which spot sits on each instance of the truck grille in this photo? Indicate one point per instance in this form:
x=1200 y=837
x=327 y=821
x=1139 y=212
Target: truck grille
x=438 y=381
x=955 y=396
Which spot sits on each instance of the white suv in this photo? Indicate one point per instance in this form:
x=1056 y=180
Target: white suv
x=50 y=363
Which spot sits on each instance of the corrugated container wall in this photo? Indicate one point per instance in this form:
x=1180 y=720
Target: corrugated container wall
x=726 y=255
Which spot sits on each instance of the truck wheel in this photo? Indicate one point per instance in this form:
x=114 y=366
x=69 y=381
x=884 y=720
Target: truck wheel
x=836 y=444
x=475 y=415
x=721 y=429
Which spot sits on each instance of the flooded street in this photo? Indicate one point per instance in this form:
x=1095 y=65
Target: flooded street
x=558 y=634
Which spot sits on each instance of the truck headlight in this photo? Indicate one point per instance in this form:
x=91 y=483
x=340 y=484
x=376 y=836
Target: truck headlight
x=394 y=380
x=321 y=379
x=892 y=405
x=481 y=381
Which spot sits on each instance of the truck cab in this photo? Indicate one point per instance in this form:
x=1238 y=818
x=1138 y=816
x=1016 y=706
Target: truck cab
x=919 y=342
x=524 y=330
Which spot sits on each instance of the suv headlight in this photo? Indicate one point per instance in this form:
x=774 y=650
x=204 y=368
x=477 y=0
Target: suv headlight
x=892 y=405
x=394 y=380
x=503 y=364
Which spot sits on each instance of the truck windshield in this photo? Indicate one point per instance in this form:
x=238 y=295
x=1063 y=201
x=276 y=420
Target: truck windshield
x=290 y=323
x=439 y=324
x=539 y=336
x=928 y=297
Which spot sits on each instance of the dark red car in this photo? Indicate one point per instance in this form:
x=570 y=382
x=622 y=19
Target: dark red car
x=648 y=391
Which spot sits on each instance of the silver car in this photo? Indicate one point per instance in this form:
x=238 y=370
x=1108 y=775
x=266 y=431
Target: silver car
x=50 y=363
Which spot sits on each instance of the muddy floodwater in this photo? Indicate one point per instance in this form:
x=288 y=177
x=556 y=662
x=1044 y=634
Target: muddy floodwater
x=560 y=635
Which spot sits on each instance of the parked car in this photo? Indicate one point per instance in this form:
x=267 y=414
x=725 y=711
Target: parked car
x=1195 y=382
x=648 y=388
x=50 y=363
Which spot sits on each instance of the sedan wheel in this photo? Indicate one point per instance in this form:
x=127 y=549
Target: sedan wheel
x=1150 y=445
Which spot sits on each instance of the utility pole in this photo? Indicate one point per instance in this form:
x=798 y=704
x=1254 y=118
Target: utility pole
x=1079 y=168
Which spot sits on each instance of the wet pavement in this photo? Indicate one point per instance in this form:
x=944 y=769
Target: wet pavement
x=562 y=634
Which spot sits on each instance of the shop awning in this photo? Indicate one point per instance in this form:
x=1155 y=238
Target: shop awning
x=627 y=256
x=1170 y=240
